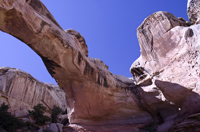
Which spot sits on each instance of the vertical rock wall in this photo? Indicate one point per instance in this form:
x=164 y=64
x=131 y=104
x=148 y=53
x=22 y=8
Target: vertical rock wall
x=21 y=91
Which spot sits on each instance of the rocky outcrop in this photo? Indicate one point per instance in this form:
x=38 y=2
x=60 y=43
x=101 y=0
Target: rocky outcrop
x=94 y=95
x=21 y=92
x=158 y=42
x=193 y=11
x=165 y=86
x=82 y=44
x=170 y=61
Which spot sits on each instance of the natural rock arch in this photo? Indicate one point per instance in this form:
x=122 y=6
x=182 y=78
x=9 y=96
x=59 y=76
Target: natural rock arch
x=94 y=96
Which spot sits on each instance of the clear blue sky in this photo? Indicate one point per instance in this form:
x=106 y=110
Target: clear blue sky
x=108 y=26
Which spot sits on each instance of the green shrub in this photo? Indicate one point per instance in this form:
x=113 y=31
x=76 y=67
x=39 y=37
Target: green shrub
x=7 y=121
x=28 y=126
x=55 y=112
x=38 y=114
x=198 y=118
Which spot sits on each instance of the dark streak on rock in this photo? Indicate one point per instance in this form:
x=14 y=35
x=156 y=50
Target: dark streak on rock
x=42 y=24
x=145 y=35
x=42 y=10
x=100 y=78
x=58 y=35
x=8 y=84
x=80 y=58
x=3 y=71
x=105 y=84
x=189 y=33
x=88 y=69
x=50 y=65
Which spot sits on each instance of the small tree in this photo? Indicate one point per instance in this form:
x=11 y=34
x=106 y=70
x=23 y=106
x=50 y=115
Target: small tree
x=55 y=112
x=38 y=114
x=7 y=121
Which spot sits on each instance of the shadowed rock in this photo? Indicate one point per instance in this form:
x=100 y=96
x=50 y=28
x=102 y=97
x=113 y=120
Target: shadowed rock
x=166 y=74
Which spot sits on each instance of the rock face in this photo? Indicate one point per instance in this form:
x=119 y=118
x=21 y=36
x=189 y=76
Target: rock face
x=94 y=95
x=193 y=11
x=165 y=89
x=82 y=44
x=21 y=92
x=157 y=47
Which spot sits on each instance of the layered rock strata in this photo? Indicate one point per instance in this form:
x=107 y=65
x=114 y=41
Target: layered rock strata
x=22 y=92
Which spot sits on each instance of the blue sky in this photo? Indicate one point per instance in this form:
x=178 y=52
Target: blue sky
x=108 y=26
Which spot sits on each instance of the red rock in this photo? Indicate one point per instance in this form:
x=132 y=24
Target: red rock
x=166 y=74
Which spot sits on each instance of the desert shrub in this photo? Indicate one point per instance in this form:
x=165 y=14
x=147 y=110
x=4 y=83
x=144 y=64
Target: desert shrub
x=7 y=121
x=55 y=112
x=38 y=114
x=28 y=126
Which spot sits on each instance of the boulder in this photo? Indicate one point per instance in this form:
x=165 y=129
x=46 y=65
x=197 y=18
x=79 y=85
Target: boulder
x=22 y=113
x=53 y=127
x=27 y=120
x=60 y=126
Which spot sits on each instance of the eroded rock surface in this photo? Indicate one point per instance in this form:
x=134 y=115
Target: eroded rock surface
x=22 y=92
x=94 y=95
x=165 y=89
x=169 y=62
x=158 y=43
x=80 y=38
x=193 y=11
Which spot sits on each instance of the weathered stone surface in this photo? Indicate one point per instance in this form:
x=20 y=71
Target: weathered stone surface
x=166 y=74
x=158 y=43
x=27 y=120
x=21 y=92
x=21 y=113
x=94 y=95
x=82 y=43
x=168 y=69
x=193 y=11
x=60 y=126
x=53 y=127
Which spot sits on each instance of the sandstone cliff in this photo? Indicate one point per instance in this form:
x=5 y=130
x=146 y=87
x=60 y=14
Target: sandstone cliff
x=165 y=89
x=21 y=92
